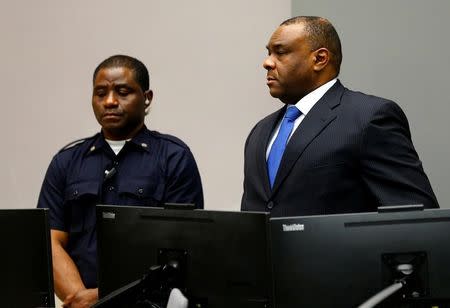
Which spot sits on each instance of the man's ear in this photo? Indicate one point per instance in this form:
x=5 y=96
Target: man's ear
x=148 y=100
x=321 y=58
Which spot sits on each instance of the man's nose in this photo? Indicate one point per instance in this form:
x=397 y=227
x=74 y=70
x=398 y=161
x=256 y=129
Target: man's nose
x=111 y=99
x=268 y=63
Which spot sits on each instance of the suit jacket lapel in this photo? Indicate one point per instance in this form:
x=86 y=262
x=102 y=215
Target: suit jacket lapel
x=268 y=125
x=312 y=125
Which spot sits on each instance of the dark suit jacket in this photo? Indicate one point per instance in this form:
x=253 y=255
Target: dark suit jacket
x=351 y=153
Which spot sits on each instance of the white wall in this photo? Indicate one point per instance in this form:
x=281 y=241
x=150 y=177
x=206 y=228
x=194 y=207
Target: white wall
x=399 y=50
x=205 y=65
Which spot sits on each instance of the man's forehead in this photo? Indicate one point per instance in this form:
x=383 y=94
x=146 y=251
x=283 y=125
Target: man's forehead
x=287 y=34
x=115 y=74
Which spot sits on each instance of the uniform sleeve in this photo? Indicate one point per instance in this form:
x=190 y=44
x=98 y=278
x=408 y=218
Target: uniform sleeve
x=391 y=167
x=184 y=184
x=52 y=195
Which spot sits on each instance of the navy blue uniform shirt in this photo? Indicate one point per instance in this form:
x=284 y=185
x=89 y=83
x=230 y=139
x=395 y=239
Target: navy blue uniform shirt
x=151 y=169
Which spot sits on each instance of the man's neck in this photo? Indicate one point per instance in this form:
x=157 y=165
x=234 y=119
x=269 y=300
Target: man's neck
x=120 y=134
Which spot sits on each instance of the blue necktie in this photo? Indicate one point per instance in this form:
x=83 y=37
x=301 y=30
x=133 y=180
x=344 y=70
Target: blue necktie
x=278 y=146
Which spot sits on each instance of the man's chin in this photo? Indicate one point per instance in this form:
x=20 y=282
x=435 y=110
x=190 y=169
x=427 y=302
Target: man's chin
x=112 y=124
x=114 y=128
x=275 y=93
x=281 y=97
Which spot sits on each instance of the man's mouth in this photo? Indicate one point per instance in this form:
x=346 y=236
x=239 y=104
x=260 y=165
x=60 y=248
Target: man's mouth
x=270 y=80
x=112 y=115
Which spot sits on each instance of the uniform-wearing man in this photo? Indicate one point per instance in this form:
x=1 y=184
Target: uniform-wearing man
x=328 y=149
x=124 y=164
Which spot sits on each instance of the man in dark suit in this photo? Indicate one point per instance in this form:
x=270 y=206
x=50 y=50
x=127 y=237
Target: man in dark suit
x=329 y=149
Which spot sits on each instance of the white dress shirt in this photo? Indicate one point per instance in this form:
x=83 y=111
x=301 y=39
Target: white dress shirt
x=304 y=105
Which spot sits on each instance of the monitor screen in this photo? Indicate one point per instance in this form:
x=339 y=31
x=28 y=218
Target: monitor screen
x=25 y=259
x=343 y=260
x=223 y=256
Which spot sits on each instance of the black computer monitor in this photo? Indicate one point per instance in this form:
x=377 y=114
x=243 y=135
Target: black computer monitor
x=223 y=256
x=343 y=260
x=26 y=278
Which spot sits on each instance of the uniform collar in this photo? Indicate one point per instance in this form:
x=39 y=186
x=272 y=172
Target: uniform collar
x=139 y=141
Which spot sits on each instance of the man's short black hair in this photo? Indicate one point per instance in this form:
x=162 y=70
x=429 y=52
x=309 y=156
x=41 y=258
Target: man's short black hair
x=321 y=34
x=141 y=74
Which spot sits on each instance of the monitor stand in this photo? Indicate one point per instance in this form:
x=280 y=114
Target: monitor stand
x=150 y=291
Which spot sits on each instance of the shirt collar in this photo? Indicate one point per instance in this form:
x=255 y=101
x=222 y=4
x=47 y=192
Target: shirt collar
x=140 y=140
x=309 y=100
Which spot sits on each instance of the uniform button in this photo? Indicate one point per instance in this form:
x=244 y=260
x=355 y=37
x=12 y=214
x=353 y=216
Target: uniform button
x=144 y=145
x=75 y=192
x=141 y=191
x=270 y=205
x=111 y=188
x=92 y=148
x=116 y=163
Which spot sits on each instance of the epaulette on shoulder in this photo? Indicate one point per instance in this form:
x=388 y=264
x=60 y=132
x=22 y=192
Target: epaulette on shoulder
x=75 y=143
x=172 y=139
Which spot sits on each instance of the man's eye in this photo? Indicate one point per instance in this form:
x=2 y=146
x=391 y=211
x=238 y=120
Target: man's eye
x=123 y=91
x=100 y=93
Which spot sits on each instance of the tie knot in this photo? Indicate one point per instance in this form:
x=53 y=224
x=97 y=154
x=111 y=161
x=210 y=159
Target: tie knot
x=292 y=113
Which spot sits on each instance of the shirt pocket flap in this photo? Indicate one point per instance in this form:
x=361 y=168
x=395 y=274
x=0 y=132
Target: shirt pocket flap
x=142 y=188
x=82 y=189
x=80 y=200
